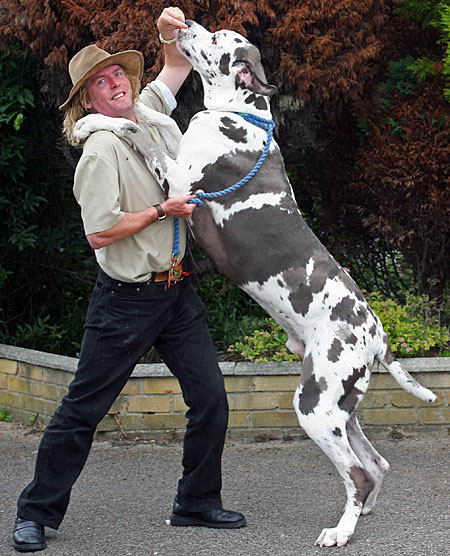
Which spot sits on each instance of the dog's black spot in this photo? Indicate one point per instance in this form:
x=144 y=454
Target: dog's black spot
x=302 y=289
x=237 y=40
x=349 y=402
x=259 y=101
x=324 y=269
x=349 y=399
x=236 y=134
x=335 y=350
x=372 y=330
x=224 y=64
x=310 y=395
x=351 y=339
x=344 y=311
x=203 y=54
x=280 y=283
x=363 y=482
x=301 y=298
x=311 y=388
x=322 y=381
x=158 y=172
x=337 y=432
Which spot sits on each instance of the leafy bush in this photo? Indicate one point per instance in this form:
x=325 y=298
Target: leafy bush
x=40 y=335
x=431 y=13
x=267 y=344
x=5 y=415
x=413 y=330
x=444 y=26
x=46 y=266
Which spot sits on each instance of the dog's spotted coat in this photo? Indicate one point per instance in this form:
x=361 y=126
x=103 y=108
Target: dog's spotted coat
x=258 y=238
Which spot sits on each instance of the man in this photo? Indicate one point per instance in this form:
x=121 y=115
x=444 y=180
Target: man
x=129 y=224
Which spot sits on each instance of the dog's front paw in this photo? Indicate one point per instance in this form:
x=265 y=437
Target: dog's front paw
x=99 y=122
x=82 y=129
x=126 y=128
x=333 y=537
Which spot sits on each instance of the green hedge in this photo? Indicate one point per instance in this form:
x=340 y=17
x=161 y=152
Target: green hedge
x=413 y=329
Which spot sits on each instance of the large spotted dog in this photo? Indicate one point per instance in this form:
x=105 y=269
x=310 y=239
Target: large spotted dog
x=258 y=238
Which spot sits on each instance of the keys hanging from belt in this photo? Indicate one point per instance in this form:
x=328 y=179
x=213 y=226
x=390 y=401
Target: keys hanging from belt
x=176 y=273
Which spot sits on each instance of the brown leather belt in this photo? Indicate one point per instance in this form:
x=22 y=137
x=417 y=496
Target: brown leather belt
x=159 y=276
x=163 y=276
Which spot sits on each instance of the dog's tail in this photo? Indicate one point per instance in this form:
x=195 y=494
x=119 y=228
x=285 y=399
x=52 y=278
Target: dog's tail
x=406 y=381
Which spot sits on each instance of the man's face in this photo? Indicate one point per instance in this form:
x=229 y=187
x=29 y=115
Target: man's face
x=109 y=93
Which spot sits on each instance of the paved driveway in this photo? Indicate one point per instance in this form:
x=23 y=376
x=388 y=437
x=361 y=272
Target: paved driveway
x=288 y=491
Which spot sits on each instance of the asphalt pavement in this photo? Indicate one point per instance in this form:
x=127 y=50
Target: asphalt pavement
x=288 y=491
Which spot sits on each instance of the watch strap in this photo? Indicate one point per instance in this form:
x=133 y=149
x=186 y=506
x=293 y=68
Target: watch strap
x=160 y=211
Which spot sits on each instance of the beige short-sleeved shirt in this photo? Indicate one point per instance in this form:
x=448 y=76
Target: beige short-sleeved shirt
x=111 y=178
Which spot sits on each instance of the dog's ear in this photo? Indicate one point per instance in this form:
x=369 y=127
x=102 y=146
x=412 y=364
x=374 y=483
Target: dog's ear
x=251 y=76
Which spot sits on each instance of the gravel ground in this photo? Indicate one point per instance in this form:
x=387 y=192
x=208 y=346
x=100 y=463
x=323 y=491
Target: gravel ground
x=288 y=491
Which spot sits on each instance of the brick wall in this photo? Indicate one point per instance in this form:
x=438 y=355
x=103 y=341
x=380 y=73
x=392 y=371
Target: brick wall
x=260 y=396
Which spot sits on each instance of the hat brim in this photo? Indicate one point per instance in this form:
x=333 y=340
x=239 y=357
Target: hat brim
x=131 y=61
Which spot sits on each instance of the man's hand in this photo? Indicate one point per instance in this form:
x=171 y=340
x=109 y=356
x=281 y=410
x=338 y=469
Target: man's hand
x=178 y=206
x=170 y=20
x=176 y=65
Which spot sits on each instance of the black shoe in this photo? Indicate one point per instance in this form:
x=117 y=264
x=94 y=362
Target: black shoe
x=216 y=518
x=28 y=536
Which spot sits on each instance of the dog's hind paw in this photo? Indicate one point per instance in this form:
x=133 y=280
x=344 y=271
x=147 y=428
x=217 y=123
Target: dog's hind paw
x=333 y=537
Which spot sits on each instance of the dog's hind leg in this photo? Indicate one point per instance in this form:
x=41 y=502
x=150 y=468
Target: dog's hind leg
x=371 y=459
x=324 y=420
x=331 y=436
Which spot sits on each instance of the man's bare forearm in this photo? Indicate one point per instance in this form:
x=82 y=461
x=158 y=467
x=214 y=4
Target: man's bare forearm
x=130 y=224
x=134 y=222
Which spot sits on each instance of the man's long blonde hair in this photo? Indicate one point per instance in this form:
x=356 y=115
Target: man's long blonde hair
x=76 y=109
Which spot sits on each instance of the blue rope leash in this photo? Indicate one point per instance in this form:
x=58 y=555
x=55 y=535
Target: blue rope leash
x=268 y=126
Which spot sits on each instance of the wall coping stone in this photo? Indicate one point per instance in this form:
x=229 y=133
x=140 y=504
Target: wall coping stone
x=228 y=368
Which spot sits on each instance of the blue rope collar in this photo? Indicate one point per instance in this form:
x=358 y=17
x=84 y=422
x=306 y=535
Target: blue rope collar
x=268 y=126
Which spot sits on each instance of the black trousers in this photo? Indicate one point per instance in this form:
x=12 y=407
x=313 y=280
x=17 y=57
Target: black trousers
x=123 y=321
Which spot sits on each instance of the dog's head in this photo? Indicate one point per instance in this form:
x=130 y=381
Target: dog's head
x=230 y=67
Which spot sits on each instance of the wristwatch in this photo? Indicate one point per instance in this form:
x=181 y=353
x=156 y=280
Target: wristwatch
x=160 y=211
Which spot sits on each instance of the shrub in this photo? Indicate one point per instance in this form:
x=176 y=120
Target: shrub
x=413 y=330
x=267 y=344
x=5 y=415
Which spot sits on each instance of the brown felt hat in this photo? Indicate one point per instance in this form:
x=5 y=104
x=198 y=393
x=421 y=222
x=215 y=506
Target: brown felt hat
x=91 y=59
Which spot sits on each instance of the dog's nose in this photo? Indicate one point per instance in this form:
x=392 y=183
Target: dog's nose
x=189 y=22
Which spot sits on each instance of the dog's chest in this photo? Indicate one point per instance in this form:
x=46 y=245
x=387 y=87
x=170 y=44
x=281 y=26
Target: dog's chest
x=219 y=147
